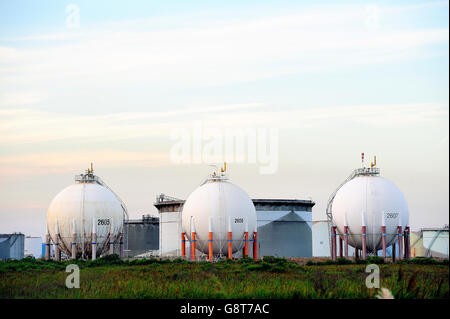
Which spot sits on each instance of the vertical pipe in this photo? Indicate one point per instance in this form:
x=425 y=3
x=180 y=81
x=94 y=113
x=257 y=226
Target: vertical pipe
x=345 y=236
x=255 y=243
x=364 y=235
x=394 y=248
x=74 y=240
x=383 y=234
x=47 y=246
x=121 y=245
x=405 y=248
x=94 y=239
x=57 y=249
x=408 y=242
x=210 y=240
x=400 y=243
x=183 y=244
x=111 y=237
x=334 y=244
x=230 y=240
x=246 y=240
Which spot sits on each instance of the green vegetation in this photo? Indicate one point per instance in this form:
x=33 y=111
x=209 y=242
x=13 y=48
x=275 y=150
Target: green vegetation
x=111 y=277
x=379 y=260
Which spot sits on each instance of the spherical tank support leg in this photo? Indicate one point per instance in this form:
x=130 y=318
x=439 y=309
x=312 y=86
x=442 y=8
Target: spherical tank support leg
x=183 y=244
x=255 y=245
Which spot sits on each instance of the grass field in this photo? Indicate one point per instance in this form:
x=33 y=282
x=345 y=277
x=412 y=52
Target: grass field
x=270 y=278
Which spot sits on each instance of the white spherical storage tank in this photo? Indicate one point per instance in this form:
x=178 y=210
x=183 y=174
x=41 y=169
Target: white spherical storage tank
x=224 y=205
x=370 y=200
x=81 y=208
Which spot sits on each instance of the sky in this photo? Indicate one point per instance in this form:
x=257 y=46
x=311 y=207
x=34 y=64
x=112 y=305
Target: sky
x=114 y=83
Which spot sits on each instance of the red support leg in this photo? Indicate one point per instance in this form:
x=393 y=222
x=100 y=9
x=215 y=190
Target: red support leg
x=400 y=243
x=210 y=246
x=346 y=241
x=246 y=244
x=408 y=242
x=193 y=240
x=183 y=245
x=364 y=245
x=255 y=245
x=383 y=240
x=333 y=243
x=230 y=245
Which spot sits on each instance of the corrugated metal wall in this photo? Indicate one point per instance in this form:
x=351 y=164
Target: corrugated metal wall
x=12 y=246
x=435 y=243
x=140 y=237
x=284 y=234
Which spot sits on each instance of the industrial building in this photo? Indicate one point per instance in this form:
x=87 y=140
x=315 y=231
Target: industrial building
x=33 y=247
x=430 y=242
x=284 y=226
x=320 y=239
x=141 y=236
x=12 y=246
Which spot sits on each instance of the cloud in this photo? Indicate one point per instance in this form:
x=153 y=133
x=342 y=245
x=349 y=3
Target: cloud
x=216 y=52
x=21 y=99
x=31 y=126
x=67 y=162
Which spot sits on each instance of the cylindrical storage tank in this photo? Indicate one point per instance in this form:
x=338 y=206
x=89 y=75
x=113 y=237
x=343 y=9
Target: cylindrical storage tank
x=83 y=204
x=367 y=198
x=224 y=202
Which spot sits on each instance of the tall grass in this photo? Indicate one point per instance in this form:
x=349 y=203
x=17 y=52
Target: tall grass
x=111 y=277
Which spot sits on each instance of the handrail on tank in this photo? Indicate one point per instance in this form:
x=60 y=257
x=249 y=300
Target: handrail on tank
x=89 y=177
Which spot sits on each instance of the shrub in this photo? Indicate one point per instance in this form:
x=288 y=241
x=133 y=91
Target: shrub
x=274 y=260
x=180 y=261
x=375 y=260
x=360 y=261
x=343 y=261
